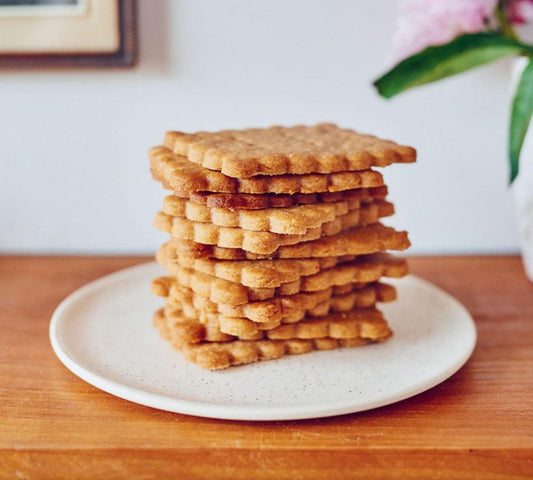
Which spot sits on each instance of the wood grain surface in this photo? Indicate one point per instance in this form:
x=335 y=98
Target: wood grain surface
x=476 y=425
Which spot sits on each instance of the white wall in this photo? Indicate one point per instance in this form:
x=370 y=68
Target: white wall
x=74 y=172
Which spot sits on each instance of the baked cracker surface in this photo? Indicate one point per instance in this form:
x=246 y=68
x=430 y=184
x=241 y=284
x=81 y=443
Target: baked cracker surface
x=323 y=148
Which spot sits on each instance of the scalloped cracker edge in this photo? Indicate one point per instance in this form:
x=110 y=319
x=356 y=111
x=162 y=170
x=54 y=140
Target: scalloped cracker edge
x=324 y=148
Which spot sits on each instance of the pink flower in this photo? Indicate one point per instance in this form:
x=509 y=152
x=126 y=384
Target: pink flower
x=520 y=11
x=422 y=23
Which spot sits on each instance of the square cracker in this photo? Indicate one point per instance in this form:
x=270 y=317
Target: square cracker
x=177 y=173
x=323 y=148
x=224 y=352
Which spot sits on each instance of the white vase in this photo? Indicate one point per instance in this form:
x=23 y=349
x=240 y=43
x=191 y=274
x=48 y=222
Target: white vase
x=522 y=188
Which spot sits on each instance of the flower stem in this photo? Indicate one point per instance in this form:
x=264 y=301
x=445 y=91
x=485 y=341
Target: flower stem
x=506 y=27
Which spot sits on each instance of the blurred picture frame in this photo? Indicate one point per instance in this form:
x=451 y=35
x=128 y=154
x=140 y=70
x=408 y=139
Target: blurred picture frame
x=67 y=33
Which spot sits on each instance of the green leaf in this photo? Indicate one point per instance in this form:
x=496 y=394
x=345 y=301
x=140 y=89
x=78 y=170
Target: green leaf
x=433 y=63
x=521 y=112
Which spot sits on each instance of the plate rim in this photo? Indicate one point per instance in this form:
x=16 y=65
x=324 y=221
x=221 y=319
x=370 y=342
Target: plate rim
x=234 y=412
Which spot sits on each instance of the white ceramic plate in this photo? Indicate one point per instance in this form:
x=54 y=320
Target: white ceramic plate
x=103 y=333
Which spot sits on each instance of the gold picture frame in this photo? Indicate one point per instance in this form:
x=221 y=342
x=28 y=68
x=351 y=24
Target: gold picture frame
x=67 y=33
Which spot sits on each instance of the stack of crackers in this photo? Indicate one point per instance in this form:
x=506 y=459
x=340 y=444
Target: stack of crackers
x=276 y=243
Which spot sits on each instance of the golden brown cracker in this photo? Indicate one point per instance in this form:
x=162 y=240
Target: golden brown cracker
x=286 y=309
x=234 y=320
x=256 y=273
x=283 y=308
x=295 y=220
x=240 y=327
x=356 y=241
x=323 y=148
x=223 y=354
x=261 y=243
x=216 y=356
x=367 y=322
x=177 y=173
x=265 y=243
x=364 y=269
x=250 y=201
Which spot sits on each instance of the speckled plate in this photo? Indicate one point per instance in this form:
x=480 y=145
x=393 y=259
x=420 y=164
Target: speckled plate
x=103 y=333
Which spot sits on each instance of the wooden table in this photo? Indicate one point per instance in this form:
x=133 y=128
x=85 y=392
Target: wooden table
x=477 y=424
